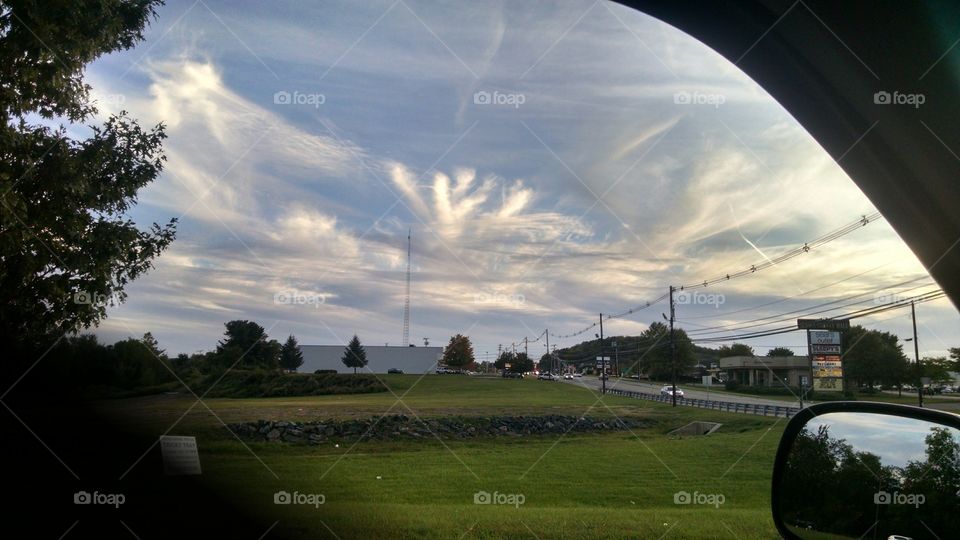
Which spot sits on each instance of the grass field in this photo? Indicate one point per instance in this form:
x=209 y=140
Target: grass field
x=610 y=485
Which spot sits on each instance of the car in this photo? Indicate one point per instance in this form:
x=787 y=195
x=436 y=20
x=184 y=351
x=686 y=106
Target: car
x=578 y=375
x=547 y=376
x=568 y=376
x=668 y=391
x=512 y=375
x=949 y=390
x=395 y=371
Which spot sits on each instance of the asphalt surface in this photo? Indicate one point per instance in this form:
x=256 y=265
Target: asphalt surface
x=688 y=392
x=942 y=402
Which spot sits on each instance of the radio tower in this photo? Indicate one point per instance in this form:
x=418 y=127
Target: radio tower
x=406 y=302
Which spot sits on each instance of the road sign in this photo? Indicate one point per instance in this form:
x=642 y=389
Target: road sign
x=823 y=324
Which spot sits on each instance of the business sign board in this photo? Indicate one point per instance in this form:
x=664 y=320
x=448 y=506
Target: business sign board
x=823 y=337
x=179 y=455
x=826 y=365
x=824 y=349
x=831 y=384
x=823 y=324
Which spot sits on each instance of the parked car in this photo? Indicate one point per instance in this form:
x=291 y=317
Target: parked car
x=512 y=375
x=578 y=375
x=395 y=371
x=668 y=391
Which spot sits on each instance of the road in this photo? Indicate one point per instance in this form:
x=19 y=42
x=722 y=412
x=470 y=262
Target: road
x=945 y=403
x=689 y=393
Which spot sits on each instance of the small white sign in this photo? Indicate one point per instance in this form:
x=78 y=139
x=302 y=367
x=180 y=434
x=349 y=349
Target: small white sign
x=179 y=455
x=824 y=337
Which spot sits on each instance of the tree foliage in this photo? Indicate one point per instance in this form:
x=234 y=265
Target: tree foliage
x=780 y=351
x=656 y=360
x=737 y=349
x=291 y=357
x=872 y=356
x=354 y=356
x=67 y=244
x=549 y=362
x=246 y=345
x=459 y=352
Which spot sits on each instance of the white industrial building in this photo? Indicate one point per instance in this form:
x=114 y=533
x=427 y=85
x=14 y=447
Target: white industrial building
x=380 y=358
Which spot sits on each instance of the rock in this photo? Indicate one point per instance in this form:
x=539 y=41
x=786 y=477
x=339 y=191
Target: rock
x=273 y=434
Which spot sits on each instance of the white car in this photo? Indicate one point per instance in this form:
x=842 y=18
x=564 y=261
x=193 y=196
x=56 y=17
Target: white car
x=578 y=375
x=668 y=391
x=568 y=376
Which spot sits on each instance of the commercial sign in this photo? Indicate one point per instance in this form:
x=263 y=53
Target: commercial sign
x=832 y=384
x=824 y=349
x=826 y=366
x=823 y=337
x=823 y=324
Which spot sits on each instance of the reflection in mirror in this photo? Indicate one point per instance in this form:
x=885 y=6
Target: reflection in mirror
x=868 y=475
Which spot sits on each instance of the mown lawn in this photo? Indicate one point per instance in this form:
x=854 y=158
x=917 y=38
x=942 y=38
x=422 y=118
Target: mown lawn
x=611 y=485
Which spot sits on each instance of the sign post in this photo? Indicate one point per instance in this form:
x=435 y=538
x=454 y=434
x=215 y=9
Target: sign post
x=825 y=352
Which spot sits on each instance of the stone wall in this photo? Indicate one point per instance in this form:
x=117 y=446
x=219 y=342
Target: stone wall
x=405 y=427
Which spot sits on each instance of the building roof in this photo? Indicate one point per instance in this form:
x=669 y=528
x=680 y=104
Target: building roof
x=771 y=362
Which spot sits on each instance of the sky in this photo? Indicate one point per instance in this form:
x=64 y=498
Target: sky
x=895 y=440
x=551 y=162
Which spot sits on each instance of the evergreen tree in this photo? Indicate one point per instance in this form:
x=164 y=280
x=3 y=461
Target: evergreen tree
x=354 y=356
x=291 y=357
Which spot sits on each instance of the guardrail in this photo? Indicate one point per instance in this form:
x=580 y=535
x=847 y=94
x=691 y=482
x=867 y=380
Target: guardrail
x=726 y=406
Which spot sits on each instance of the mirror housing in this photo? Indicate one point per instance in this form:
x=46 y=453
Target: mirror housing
x=866 y=424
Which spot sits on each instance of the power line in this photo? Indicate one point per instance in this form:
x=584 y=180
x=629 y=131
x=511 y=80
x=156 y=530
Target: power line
x=768 y=263
x=720 y=328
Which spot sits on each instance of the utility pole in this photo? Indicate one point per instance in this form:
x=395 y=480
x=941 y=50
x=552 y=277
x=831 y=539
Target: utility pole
x=555 y=363
x=526 y=351
x=916 y=353
x=603 y=360
x=673 y=351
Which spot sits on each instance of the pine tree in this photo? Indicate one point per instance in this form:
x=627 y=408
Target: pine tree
x=291 y=357
x=354 y=356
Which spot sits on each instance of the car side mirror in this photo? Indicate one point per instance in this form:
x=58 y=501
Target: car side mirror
x=868 y=470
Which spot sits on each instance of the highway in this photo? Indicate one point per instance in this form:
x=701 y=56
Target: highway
x=689 y=392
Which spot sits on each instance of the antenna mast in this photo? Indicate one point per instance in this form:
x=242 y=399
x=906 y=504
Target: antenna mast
x=406 y=302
